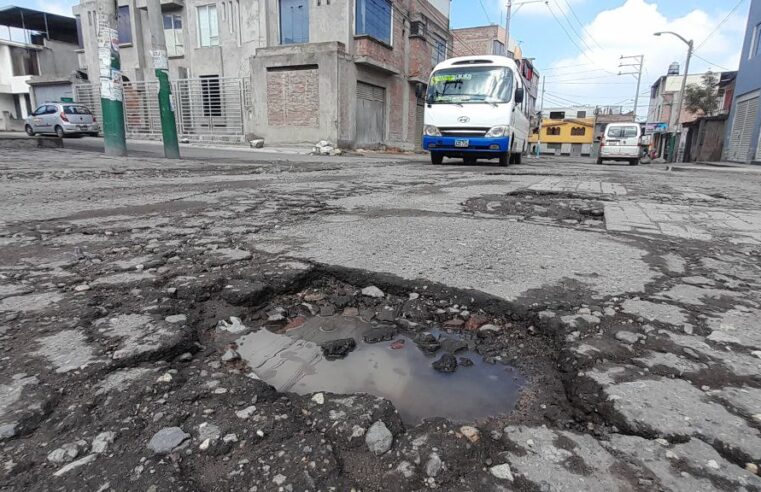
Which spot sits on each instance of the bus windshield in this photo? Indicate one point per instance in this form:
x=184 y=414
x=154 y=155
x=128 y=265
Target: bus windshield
x=468 y=85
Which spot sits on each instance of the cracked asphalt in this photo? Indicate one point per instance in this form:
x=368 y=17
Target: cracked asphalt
x=132 y=290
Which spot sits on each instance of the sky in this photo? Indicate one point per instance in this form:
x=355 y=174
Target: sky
x=577 y=44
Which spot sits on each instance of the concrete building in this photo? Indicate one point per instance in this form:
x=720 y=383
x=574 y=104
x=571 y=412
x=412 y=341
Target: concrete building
x=743 y=136
x=565 y=131
x=37 y=60
x=662 y=122
x=290 y=71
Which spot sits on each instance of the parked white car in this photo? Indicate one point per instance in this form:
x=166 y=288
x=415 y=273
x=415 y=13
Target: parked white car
x=621 y=142
x=62 y=119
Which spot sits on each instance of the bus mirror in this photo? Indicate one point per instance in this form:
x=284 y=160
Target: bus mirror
x=519 y=95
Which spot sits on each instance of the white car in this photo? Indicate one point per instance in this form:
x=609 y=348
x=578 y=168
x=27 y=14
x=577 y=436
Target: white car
x=62 y=119
x=620 y=142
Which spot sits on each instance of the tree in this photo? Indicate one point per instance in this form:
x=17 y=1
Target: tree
x=703 y=98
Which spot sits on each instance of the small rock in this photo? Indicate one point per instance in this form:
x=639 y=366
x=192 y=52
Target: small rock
x=164 y=378
x=168 y=438
x=234 y=326
x=318 y=398
x=101 y=442
x=81 y=288
x=246 y=412
x=502 y=472
x=414 y=295
x=256 y=143
x=382 y=333
x=230 y=355
x=712 y=464
x=452 y=345
x=76 y=464
x=327 y=310
x=279 y=479
x=454 y=323
x=176 y=318
x=446 y=363
x=350 y=312
x=489 y=327
x=7 y=431
x=66 y=453
x=752 y=467
x=338 y=349
x=471 y=433
x=627 y=337
x=373 y=291
x=433 y=465
x=378 y=438
x=427 y=342
x=465 y=362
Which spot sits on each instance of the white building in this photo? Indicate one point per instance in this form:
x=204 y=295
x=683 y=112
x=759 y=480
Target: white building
x=38 y=46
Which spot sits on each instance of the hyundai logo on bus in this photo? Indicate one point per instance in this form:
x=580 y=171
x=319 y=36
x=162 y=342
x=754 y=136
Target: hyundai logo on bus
x=463 y=119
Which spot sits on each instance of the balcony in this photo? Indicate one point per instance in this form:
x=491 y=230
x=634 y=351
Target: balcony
x=166 y=5
x=375 y=54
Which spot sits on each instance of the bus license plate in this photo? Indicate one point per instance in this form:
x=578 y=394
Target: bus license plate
x=461 y=143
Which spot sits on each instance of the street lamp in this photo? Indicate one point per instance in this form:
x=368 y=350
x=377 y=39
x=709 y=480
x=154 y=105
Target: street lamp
x=690 y=45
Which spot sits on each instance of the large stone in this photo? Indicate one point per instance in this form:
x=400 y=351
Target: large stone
x=378 y=438
x=140 y=337
x=338 y=349
x=446 y=363
x=168 y=438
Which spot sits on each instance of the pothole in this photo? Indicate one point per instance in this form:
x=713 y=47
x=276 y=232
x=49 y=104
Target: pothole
x=565 y=208
x=430 y=357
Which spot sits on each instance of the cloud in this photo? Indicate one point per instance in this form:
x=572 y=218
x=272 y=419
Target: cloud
x=60 y=7
x=591 y=76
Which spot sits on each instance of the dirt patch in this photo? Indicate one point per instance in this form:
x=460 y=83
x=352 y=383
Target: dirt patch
x=564 y=208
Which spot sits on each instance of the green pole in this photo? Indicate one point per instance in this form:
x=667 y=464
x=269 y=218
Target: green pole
x=111 y=88
x=161 y=68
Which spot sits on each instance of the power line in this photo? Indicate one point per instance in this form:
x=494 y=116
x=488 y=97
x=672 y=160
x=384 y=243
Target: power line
x=570 y=38
x=577 y=73
x=570 y=24
x=573 y=12
x=486 y=12
x=711 y=63
x=718 y=26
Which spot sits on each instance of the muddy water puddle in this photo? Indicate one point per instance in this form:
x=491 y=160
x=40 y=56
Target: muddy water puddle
x=396 y=370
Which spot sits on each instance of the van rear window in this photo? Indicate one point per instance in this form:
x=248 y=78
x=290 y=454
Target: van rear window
x=623 y=132
x=76 y=110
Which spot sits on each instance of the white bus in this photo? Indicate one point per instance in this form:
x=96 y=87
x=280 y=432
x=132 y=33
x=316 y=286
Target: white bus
x=475 y=109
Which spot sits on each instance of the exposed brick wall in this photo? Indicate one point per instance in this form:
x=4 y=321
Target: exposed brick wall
x=396 y=115
x=477 y=40
x=293 y=97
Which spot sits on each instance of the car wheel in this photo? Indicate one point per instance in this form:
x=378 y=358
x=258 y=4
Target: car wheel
x=436 y=158
x=504 y=159
x=518 y=158
x=59 y=132
x=470 y=161
x=599 y=161
x=634 y=162
x=29 y=130
x=94 y=134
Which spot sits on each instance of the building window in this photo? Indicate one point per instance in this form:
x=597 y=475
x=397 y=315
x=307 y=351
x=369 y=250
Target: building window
x=498 y=48
x=581 y=114
x=24 y=62
x=578 y=131
x=212 y=95
x=208 y=26
x=294 y=21
x=553 y=130
x=439 y=50
x=175 y=45
x=80 y=41
x=124 y=25
x=755 y=48
x=557 y=115
x=374 y=19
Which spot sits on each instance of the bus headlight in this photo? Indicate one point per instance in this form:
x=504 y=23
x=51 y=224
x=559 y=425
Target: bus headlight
x=498 y=131
x=431 y=131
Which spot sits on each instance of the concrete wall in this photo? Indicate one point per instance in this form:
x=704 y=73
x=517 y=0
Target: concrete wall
x=749 y=80
x=58 y=59
x=334 y=69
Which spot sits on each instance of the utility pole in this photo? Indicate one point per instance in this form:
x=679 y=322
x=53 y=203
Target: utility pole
x=508 y=18
x=161 y=68
x=637 y=66
x=541 y=117
x=690 y=48
x=111 y=88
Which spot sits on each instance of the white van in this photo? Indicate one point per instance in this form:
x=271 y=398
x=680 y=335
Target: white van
x=474 y=109
x=620 y=142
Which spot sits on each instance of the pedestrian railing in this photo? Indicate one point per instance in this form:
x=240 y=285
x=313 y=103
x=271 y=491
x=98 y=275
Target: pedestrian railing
x=204 y=106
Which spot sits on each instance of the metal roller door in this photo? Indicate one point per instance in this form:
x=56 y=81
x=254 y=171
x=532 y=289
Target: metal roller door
x=371 y=115
x=742 y=128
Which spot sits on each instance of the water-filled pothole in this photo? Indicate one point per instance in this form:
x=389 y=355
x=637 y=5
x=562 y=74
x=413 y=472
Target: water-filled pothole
x=431 y=350
x=395 y=369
